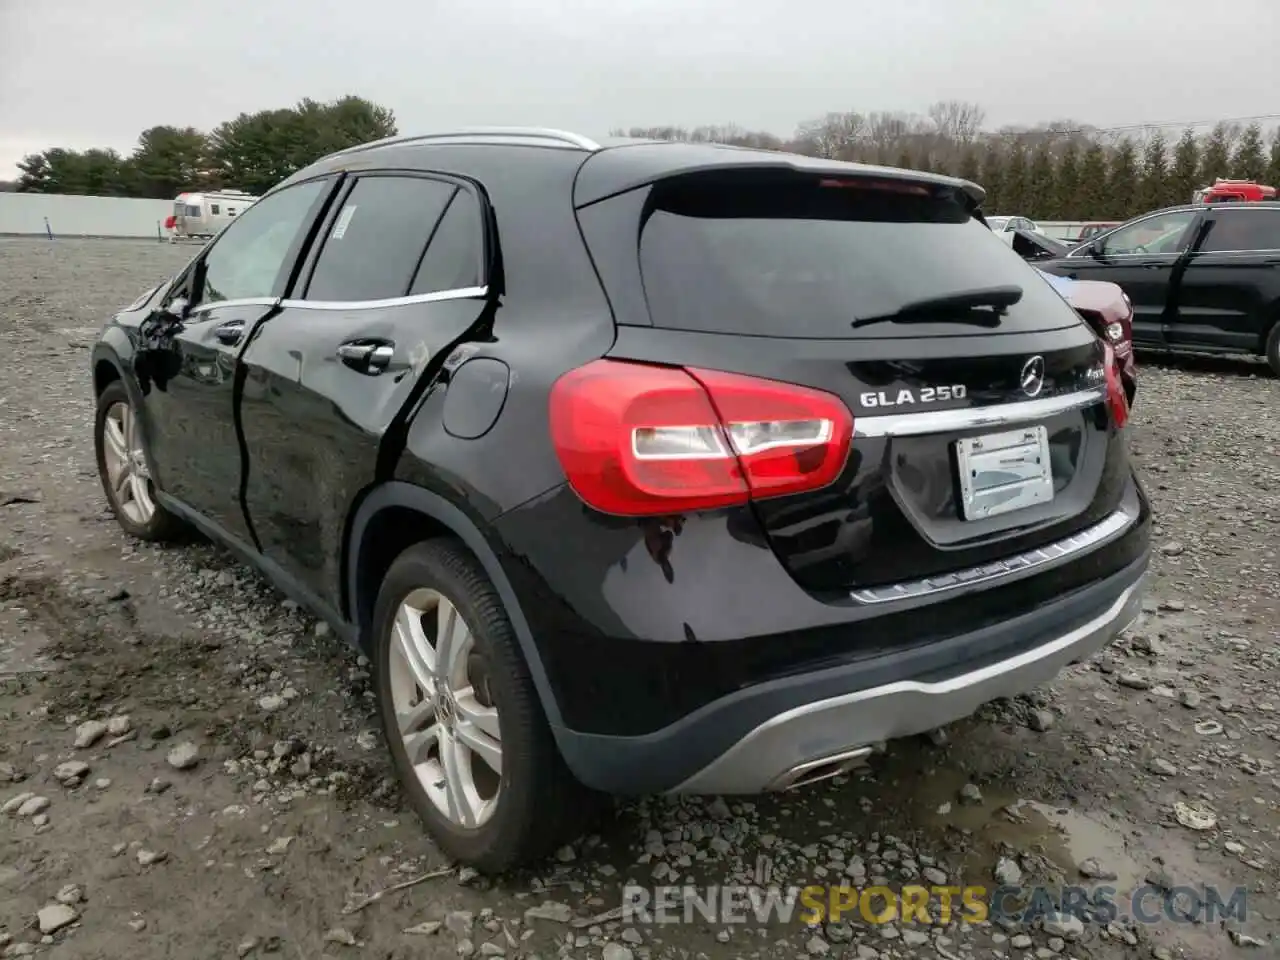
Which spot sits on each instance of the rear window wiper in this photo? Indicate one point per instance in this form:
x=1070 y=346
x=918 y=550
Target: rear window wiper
x=983 y=308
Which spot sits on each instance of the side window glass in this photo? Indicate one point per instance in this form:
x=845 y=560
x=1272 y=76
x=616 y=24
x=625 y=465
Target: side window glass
x=1244 y=230
x=1161 y=234
x=247 y=257
x=214 y=208
x=453 y=258
x=374 y=245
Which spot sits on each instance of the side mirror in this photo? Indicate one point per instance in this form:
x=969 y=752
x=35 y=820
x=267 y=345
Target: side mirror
x=1097 y=250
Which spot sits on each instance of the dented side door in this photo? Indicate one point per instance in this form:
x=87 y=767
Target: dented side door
x=329 y=383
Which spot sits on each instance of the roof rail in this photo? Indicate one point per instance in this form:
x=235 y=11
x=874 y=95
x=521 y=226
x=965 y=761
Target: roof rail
x=531 y=133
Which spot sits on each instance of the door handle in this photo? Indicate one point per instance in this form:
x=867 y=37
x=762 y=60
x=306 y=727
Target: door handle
x=365 y=356
x=229 y=334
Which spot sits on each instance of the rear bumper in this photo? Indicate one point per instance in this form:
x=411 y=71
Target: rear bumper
x=823 y=729
x=754 y=739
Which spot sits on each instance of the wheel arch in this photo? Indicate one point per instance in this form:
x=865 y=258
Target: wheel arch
x=393 y=516
x=106 y=367
x=1269 y=326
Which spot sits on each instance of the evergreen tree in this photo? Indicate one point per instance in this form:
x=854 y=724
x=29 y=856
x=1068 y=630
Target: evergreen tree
x=1042 y=194
x=94 y=173
x=1067 y=185
x=1092 y=195
x=992 y=178
x=1250 y=159
x=1215 y=157
x=1184 y=175
x=1017 y=181
x=1153 y=188
x=1273 y=167
x=169 y=160
x=1123 y=181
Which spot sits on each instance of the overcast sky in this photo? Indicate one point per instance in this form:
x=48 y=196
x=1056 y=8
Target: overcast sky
x=85 y=73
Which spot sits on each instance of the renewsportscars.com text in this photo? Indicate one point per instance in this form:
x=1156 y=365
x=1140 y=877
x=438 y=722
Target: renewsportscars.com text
x=816 y=903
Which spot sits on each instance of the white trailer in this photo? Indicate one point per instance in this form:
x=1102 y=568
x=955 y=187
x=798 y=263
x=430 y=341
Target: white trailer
x=204 y=214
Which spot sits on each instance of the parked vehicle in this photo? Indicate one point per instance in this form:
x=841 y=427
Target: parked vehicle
x=1005 y=227
x=1234 y=191
x=1202 y=278
x=1091 y=230
x=204 y=214
x=635 y=467
x=1104 y=306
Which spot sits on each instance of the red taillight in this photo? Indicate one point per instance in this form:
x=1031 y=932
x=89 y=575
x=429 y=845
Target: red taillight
x=1117 y=401
x=636 y=439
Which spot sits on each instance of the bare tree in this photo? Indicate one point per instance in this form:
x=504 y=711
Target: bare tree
x=957 y=120
x=835 y=136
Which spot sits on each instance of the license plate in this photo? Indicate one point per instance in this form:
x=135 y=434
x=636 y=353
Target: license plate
x=1003 y=472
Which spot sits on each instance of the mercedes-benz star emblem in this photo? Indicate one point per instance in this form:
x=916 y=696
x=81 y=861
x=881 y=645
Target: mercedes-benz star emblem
x=1032 y=377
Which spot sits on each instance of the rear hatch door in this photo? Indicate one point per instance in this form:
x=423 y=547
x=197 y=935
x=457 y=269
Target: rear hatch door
x=981 y=430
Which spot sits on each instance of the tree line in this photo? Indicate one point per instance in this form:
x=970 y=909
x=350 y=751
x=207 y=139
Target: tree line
x=252 y=152
x=1052 y=171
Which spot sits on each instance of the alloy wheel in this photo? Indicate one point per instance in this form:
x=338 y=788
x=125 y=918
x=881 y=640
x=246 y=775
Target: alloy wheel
x=127 y=473
x=444 y=711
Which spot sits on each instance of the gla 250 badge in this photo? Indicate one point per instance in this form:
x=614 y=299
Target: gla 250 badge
x=904 y=397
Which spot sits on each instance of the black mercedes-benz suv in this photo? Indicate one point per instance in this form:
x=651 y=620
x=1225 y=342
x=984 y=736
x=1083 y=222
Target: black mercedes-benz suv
x=635 y=467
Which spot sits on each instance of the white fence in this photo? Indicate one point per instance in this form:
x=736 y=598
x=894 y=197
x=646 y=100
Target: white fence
x=41 y=214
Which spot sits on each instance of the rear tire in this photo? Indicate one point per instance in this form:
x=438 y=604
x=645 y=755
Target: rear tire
x=1273 y=348
x=124 y=473
x=440 y=704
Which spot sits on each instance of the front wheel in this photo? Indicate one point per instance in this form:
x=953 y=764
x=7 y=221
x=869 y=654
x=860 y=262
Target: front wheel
x=123 y=470
x=467 y=734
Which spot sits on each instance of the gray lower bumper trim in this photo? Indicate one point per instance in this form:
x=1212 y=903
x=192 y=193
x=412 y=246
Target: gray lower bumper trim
x=900 y=709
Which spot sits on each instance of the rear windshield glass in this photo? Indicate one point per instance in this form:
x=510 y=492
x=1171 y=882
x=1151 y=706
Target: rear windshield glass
x=801 y=256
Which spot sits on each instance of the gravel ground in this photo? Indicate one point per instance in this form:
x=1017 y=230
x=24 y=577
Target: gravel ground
x=200 y=776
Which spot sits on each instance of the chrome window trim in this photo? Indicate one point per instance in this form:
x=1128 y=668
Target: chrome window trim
x=968 y=418
x=1253 y=250
x=1106 y=529
x=242 y=302
x=462 y=293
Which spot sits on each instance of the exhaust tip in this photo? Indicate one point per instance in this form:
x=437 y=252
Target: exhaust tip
x=824 y=768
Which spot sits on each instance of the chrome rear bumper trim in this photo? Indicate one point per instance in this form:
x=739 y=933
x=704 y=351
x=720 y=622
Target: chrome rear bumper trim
x=1087 y=538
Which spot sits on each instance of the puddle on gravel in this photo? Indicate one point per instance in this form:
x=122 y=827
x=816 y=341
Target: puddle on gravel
x=1066 y=837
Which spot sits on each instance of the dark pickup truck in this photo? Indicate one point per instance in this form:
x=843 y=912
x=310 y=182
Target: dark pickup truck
x=1202 y=277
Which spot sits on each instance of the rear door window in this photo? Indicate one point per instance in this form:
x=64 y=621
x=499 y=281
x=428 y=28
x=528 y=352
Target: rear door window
x=455 y=255
x=803 y=256
x=1242 y=230
x=375 y=242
